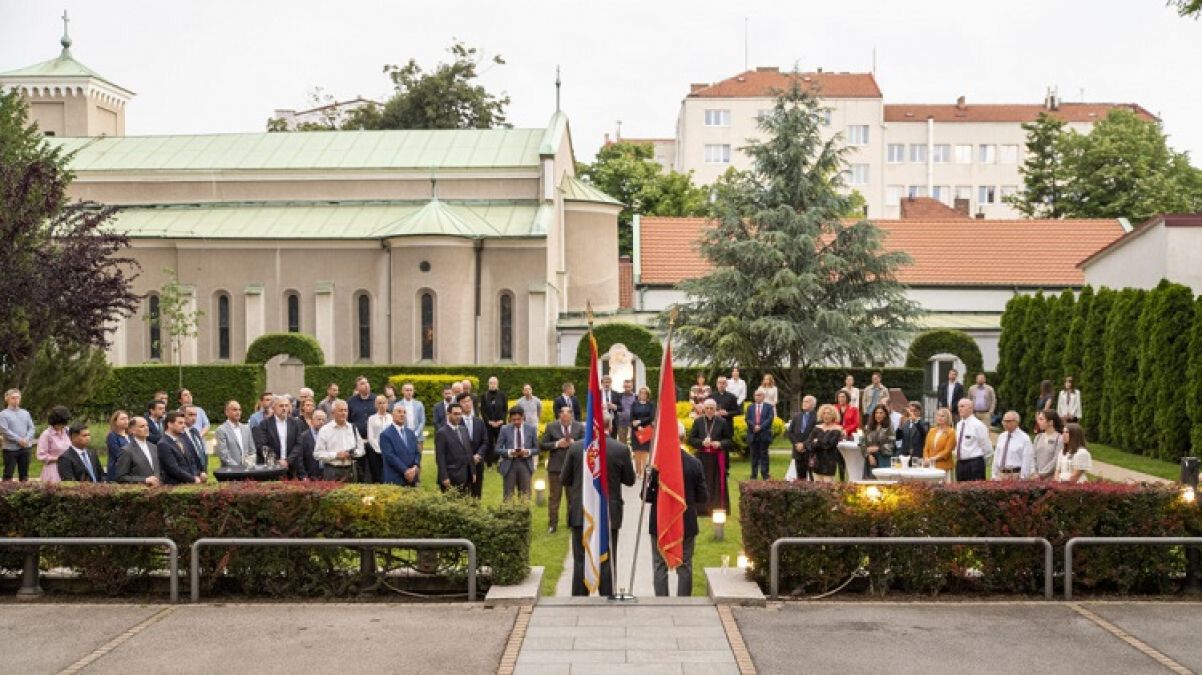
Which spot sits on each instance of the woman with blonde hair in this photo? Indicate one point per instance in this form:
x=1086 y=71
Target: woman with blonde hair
x=642 y=419
x=941 y=442
x=822 y=447
x=768 y=384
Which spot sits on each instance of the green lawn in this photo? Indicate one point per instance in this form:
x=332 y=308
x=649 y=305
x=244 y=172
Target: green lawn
x=1127 y=460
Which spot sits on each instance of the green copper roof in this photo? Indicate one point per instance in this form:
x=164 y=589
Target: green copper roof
x=64 y=66
x=327 y=150
x=340 y=220
x=576 y=190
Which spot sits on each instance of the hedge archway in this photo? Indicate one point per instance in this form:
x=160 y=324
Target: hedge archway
x=955 y=342
x=637 y=339
x=297 y=345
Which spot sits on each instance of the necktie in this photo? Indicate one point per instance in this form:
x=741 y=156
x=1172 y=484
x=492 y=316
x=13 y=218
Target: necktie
x=519 y=442
x=960 y=442
x=1006 y=450
x=87 y=464
x=757 y=414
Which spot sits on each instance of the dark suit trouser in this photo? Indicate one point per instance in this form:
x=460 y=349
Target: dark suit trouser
x=684 y=573
x=478 y=487
x=607 y=583
x=759 y=458
x=970 y=469
x=801 y=461
x=518 y=477
x=363 y=468
x=16 y=461
x=375 y=465
x=557 y=490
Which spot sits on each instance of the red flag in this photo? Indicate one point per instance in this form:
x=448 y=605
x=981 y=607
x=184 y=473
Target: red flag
x=670 y=503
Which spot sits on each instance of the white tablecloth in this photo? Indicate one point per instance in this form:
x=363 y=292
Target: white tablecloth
x=853 y=458
x=911 y=475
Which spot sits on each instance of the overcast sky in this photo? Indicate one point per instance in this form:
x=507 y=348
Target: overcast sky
x=224 y=65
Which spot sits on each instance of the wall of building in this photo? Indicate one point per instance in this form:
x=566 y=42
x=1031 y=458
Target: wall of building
x=591 y=247
x=1182 y=252
x=1140 y=263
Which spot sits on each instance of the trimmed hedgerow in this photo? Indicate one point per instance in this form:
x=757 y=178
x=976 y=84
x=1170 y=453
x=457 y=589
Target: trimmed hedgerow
x=1057 y=512
x=259 y=510
x=640 y=341
x=300 y=346
x=131 y=388
x=957 y=342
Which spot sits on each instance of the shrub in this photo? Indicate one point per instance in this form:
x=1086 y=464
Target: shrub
x=300 y=346
x=547 y=381
x=260 y=510
x=640 y=341
x=1093 y=361
x=1011 y=387
x=1193 y=378
x=1122 y=370
x=1059 y=323
x=1163 y=361
x=684 y=415
x=956 y=342
x=131 y=388
x=1057 y=512
x=1074 y=345
x=428 y=388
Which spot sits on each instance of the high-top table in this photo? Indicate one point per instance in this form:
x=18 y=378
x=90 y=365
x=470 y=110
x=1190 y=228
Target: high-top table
x=257 y=473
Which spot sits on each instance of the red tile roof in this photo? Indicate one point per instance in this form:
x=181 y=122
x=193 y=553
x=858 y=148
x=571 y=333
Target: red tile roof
x=1169 y=220
x=927 y=208
x=764 y=81
x=1028 y=253
x=1004 y=112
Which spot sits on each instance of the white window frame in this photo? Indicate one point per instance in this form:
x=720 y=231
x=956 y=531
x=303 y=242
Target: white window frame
x=987 y=153
x=943 y=194
x=916 y=191
x=717 y=153
x=1007 y=191
x=962 y=192
x=853 y=134
x=986 y=194
x=918 y=153
x=717 y=117
x=895 y=153
x=1007 y=149
x=858 y=174
x=962 y=154
x=941 y=153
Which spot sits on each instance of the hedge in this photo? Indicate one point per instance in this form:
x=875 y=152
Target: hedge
x=1057 y=512
x=297 y=345
x=258 y=510
x=132 y=387
x=684 y=411
x=638 y=340
x=428 y=388
x=957 y=342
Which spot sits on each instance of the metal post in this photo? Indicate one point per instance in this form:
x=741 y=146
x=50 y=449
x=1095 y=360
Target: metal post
x=30 y=586
x=367 y=562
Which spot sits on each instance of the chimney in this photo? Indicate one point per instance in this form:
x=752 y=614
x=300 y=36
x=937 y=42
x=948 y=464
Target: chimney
x=625 y=282
x=820 y=69
x=961 y=206
x=960 y=104
x=697 y=86
x=607 y=141
x=980 y=213
x=1051 y=100
x=767 y=69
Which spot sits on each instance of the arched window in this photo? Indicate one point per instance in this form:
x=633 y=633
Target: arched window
x=363 y=325
x=223 y=327
x=505 y=315
x=293 y=303
x=154 y=321
x=427 y=323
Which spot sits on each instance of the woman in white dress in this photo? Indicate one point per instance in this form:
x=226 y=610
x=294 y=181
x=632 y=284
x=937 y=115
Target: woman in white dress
x=768 y=384
x=1075 y=461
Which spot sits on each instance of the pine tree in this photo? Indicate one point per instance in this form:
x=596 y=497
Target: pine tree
x=1070 y=363
x=793 y=285
x=1122 y=368
x=1164 y=359
x=1091 y=380
x=1060 y=319
x=1043 y=172
x=1193 y=378
x=1011 y=345
x=1035 y=332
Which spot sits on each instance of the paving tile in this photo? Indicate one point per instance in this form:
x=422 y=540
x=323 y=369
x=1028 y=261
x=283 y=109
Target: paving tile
x=543 y=644
x=622 y=620
x=569 y=632
x=680 y=656
x=697 y=620
x=710 y=669
x=537 y=619
x=627 y=669
x=635 y=642
x=572 y=656
x=543 y=669
x=713 y=632
x=702 y=643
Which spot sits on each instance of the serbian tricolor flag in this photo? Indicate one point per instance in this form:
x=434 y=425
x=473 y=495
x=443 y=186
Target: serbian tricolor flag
x=595 y=491
x=665 y=458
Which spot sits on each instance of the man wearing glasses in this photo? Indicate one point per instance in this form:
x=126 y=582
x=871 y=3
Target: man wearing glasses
x=1014 y=457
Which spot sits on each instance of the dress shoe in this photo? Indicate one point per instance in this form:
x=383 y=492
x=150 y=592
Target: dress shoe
x=552 y=529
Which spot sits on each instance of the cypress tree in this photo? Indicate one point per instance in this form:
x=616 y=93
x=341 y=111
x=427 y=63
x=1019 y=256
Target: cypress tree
x=1035 y=330
x=1164 y=361
x=1060 y=319
x=1070 y=363
x=1122 y=366
x=1091 y=379
x=1193 y=379
x=1011 y=345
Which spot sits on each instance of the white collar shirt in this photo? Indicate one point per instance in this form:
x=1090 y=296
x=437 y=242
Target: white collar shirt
x=972 y=439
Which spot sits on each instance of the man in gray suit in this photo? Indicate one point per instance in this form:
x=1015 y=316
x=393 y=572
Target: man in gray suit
x=557 y=438
x=234 y=439
x=517 y=447
x=140 y=461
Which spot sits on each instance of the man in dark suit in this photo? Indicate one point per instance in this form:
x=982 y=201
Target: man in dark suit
x=711 y=438
x=440 y=409
x=401 y=457
x=799 y=431
x=140 y=461
x=476 y=432
x=568 y=398
x=759 y=433
x=175 y=464
x=453 y=454
x=280 y=435
x=694 y=496
x=194 y=444
x=155 y=411
x=308 y=466
x=620 y=471
x=613 y=404
x=494 y=406
x=557 y=438
x=949 y=393
x=728 y=403
x=78 y=463
x=517 y=447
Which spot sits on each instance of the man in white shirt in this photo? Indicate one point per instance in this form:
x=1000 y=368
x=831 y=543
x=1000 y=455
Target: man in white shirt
x=972 y=444
x=140 y=461
x=234 y=439
x=338 y=443
x=736 y=385
x=1015 y=456
x=530 y=404
x=1068 y=403
x=415 y=413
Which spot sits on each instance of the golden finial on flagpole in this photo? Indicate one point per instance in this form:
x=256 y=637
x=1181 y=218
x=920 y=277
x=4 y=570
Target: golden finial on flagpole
x=673 y=315
x=588 y=314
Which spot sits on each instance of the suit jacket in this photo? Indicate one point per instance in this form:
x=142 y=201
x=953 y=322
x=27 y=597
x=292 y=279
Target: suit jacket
x=133 y=467
x=552 y=435
x=194 y=445
x=695 y=494
x=728 y=402
x=267 y=438
x=620 y=469
x=398 y=450
x=609 y=396
x=156 y=431
x=175 y=466
x=720 y=432
x=767 y=415
x=801 y=425
x=478 y=438
x=882 y=398
x=941 y=447
x=562 y=401
x=941 y=396
x=228 y=437
x=454 y=456
x=507 y=441
x=440 y=415
x=71 y=467
x=308 y=466
x=495 y=406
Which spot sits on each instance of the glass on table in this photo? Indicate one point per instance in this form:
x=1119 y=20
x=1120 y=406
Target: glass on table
x=895 y=463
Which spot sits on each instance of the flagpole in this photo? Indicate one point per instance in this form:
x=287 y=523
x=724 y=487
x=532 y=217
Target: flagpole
x=613 y=577
x=634 y=561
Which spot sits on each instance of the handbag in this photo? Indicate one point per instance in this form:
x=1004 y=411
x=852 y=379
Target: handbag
x=643 y=434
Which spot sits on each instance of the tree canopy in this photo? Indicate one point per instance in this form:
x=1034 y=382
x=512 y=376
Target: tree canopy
x=792 y=284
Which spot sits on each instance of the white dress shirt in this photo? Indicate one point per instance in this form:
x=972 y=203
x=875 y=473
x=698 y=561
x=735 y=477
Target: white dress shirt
x=376 y=424
x=145 y=448
x=281 y=431
x=972 y=439
x=333 y=439
x=1068 y=404
x=1014 y=451
x=738 y=388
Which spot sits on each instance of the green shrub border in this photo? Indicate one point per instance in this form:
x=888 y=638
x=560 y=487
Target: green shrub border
x=131 y=387
x=301 y=346
x=957 y=342
x=639 y=340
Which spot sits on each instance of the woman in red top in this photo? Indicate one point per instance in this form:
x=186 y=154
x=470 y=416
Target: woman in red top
x=848 y=413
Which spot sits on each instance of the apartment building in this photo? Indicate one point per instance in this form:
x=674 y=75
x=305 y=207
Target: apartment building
x=950 y=151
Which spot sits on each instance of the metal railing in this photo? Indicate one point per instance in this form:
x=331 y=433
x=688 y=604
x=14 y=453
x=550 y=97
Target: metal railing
x=1113 y=541
x=774 y=561
x=29 y=576
x=347 y=543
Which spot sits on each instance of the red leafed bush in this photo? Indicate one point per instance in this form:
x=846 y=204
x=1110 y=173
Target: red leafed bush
x=771 y=510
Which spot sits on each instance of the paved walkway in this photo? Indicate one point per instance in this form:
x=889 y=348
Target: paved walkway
x=1121 y=475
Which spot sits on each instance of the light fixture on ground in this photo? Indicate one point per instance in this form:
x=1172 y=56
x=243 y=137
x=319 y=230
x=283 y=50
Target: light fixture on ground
x=540 y=492
x=873 y=493
x=719 y=524
x=742 y=562
x=1188 y=495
